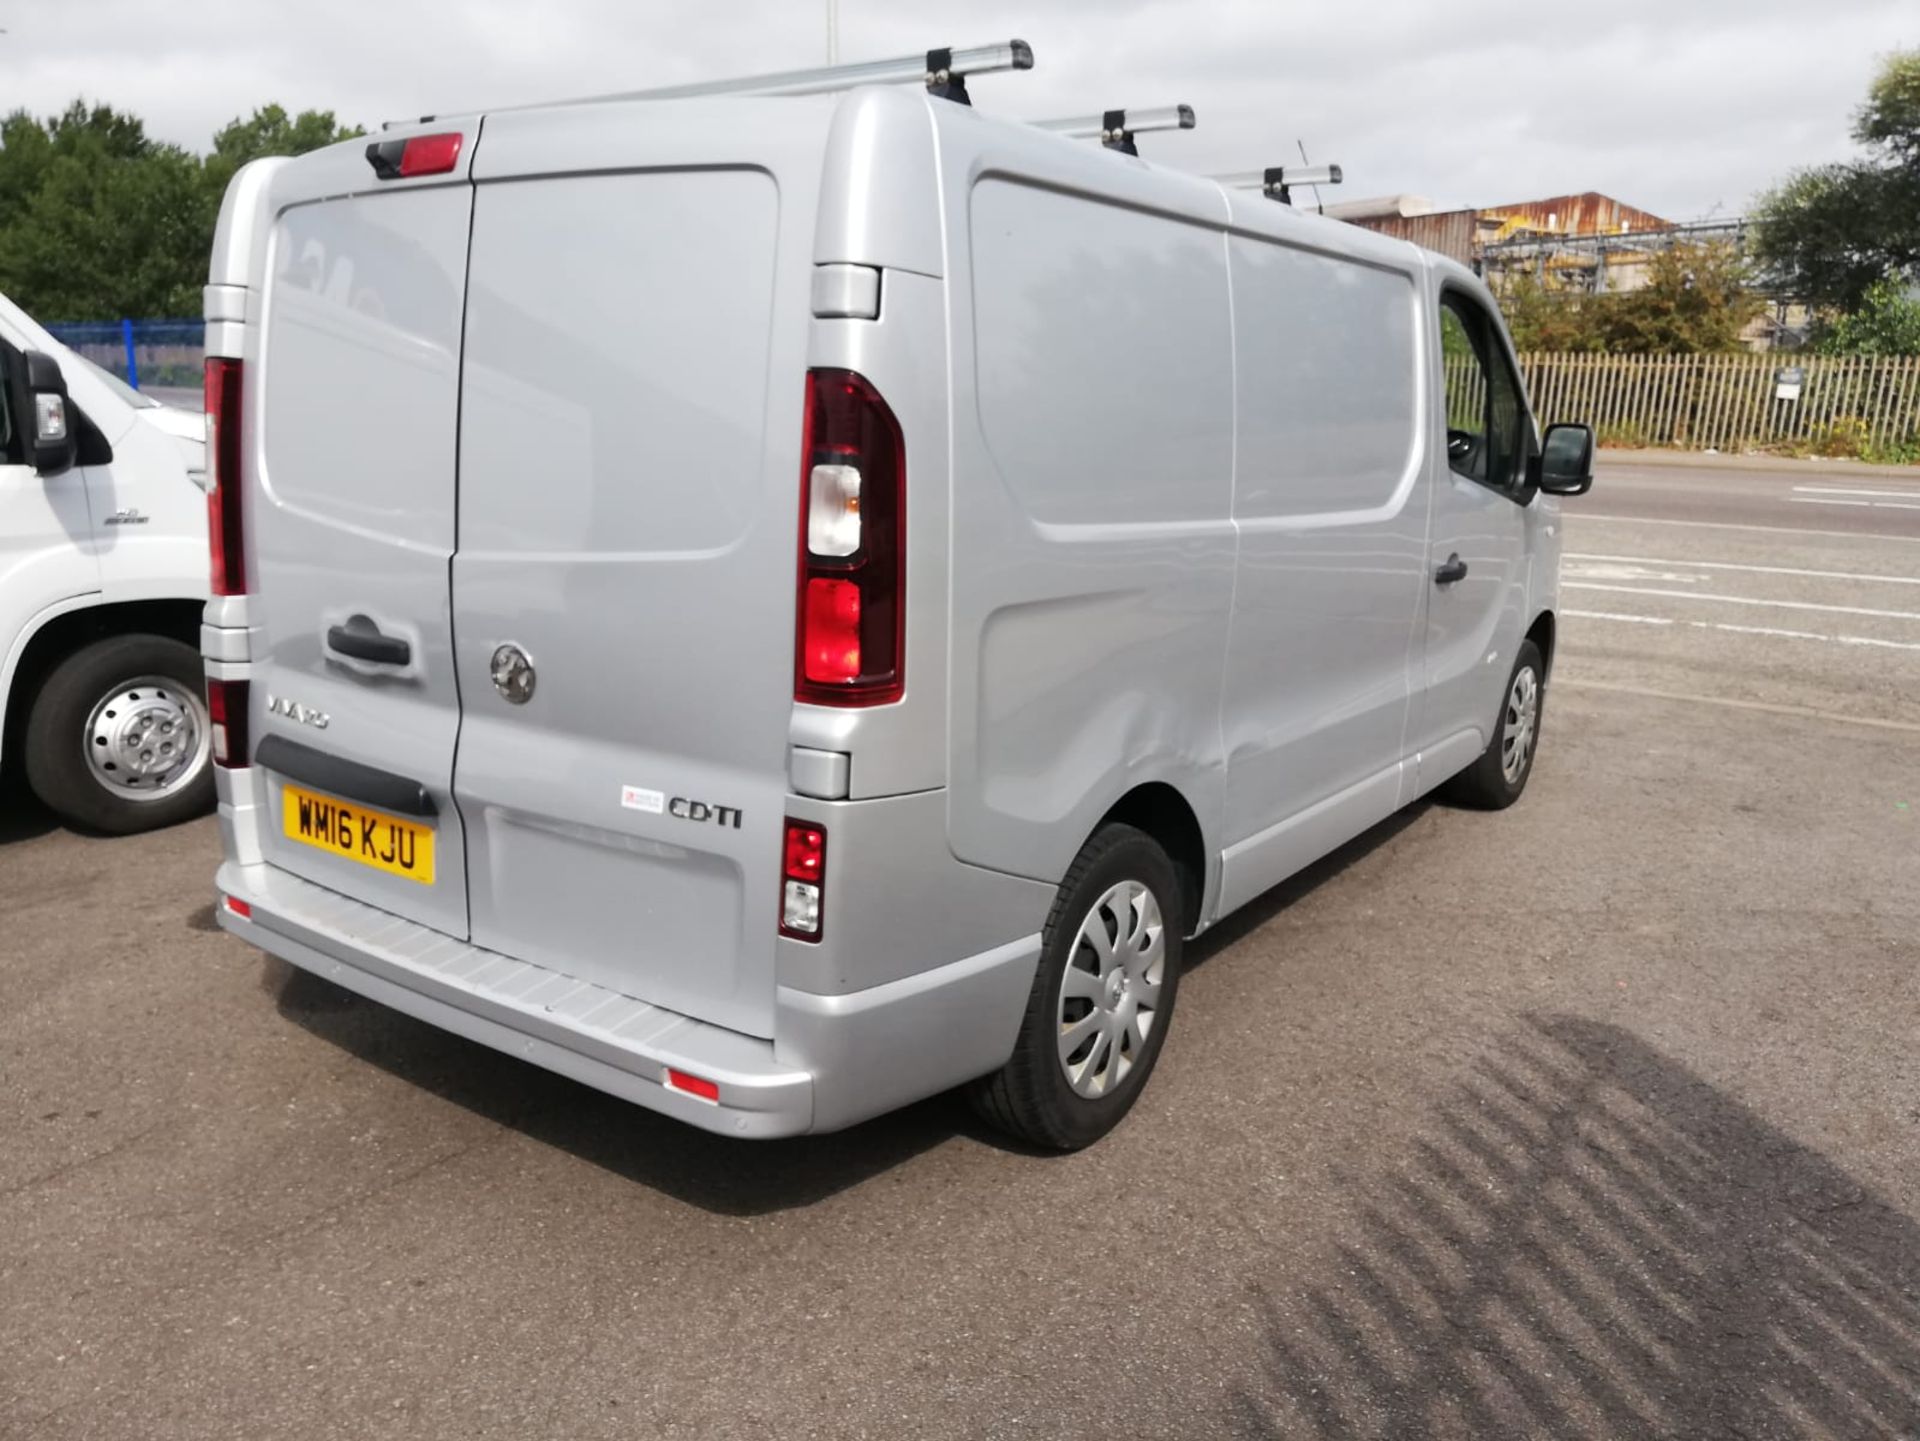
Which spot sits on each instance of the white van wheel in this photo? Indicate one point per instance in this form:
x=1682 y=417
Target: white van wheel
x=1102 y=997
x=1496 y=780
x=119 y=739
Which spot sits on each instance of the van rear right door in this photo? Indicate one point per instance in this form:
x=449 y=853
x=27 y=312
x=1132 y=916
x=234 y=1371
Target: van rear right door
x=629 y=497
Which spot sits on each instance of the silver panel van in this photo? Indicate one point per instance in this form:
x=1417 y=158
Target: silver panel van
x=777 y=606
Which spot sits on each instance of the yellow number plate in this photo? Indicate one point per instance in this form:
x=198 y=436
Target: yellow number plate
x=372 y=838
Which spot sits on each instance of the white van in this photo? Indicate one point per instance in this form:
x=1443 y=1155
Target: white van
x=103 y=575
x=776 y=607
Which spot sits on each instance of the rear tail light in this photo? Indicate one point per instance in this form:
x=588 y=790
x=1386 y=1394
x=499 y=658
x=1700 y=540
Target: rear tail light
x=803 y=881
x=851 y=645
x=242 y=909
x=223 y=462
x=227 y=710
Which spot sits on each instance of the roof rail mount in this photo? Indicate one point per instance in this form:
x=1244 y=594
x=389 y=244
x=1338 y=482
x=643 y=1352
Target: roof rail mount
x=1276 y=182
x=943 y=70
x=1115 y=129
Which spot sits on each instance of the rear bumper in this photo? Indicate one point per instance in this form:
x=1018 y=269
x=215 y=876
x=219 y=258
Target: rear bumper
x=835 y=1060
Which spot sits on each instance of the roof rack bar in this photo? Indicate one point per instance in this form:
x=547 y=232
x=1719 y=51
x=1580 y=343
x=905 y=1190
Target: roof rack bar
x=944 y=71
x=1115 y=129
x=1276 y=182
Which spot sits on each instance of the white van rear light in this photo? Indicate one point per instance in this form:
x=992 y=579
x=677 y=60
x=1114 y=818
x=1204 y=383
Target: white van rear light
x=697 y=1086
x=803 y=881
x=224 y=533
x=227 y=711
x=242 y=909
x=851 y=620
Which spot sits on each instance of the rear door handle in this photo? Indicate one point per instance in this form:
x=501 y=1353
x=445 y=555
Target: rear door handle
x=361 y=639
x=1454 y=569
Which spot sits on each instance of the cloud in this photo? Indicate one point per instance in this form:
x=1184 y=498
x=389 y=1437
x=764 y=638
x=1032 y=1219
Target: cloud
x=1677 y=106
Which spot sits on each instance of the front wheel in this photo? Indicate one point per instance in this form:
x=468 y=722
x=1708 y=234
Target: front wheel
x=118 y=739
x=1102 y=997
x=1496 y=780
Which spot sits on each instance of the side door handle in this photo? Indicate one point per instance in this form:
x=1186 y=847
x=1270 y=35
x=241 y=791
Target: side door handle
x=1454 y=569
x=360 y=637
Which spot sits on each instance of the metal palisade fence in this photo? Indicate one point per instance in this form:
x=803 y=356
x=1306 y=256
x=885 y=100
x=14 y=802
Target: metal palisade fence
x=143 y=353
x=1836 y=404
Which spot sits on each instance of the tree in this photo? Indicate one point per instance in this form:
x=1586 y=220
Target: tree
x=1886 y=322
x=1697 y=299
x=270 y=131
x=99 y=221
x=1831 y=233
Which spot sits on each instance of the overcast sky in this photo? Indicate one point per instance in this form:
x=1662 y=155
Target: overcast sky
x=1682 y=107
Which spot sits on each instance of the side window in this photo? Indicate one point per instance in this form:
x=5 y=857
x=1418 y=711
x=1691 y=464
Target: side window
x=1486 y=421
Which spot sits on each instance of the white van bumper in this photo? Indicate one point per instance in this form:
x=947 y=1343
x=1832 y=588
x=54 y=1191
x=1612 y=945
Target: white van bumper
x=837 y=1059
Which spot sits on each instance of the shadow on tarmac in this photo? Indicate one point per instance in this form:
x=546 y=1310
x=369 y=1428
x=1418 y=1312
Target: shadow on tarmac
x=717 y=1173
x=1590 y=1240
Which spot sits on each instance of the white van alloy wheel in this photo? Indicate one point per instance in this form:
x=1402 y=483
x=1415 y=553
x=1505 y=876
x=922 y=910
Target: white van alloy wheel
x=1110 y=990
x=147 y=738
x=1522 y=720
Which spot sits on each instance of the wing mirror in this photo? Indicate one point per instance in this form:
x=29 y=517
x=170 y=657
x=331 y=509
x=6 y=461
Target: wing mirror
x=43 y=414
x=1564 y=465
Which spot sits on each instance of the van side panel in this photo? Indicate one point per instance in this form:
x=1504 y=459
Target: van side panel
x=1332 y=514
x=1093 y=549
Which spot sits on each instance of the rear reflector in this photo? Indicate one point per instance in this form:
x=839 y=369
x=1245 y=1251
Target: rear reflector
x=227 y=710
x=240 y=908
x=416 y=155
x=227 y=540
x=692 y=1085
x=803 y=881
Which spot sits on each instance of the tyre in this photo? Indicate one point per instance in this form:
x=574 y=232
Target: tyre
x=118 y=739
x=1496 y=780
x=1102 y=997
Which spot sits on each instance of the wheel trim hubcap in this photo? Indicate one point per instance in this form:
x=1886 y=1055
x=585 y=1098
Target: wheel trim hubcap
x=1521 y=724
x=1110 y=991
x=147 y=738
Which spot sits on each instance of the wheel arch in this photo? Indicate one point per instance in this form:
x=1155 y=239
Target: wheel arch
x=1163 y=813
x=59 y=635
x=1541 y=633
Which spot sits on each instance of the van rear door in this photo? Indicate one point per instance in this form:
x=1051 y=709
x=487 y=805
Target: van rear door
x=354 y=708
x=629 y=494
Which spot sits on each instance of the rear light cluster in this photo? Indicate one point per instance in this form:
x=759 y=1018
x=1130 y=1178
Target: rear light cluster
x=803 y=881
x=852 y=546
x=227 y=710
x=223 y=463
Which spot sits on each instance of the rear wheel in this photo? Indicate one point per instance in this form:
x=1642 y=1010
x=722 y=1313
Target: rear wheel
x=118 y=738
x=1102 y=997
x=1496 y=780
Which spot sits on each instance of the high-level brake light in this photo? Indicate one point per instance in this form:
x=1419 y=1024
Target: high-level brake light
x=229 y=567
x=850 y=646
x=416 y=155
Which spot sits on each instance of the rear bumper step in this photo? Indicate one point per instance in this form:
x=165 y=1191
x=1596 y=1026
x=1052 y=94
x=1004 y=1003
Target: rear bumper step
x=598 y=1037
x=838 y=1059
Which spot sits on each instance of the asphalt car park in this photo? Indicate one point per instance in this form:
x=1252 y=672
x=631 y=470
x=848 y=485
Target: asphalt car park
x=1599 y=1117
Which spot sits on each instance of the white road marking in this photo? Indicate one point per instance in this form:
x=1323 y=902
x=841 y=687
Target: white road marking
x=1756 y=569
x=1765 y=707
x=1866 y=640
x=1744 y=600
x=1870 y=504
x=1585 y=516
x=1614 y=570
x=1618 y=615
x=1856 y=490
